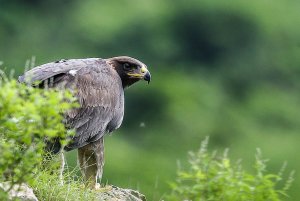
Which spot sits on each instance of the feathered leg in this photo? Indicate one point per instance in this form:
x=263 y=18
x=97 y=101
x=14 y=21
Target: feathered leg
x=91 y=161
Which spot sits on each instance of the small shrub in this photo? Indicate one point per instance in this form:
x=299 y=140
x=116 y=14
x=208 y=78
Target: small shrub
x=213 y=177
x=27 y=117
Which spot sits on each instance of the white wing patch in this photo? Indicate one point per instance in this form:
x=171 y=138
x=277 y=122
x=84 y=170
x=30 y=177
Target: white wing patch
x=73 y=72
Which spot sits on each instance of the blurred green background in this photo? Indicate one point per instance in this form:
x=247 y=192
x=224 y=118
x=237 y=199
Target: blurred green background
x=225 y=69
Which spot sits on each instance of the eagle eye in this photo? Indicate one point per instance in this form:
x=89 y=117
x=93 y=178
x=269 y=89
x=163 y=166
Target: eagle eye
x=126 y=66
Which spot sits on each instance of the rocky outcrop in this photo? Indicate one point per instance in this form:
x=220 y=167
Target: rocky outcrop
x=111 y=193
x=119 y=194
x=22 y=192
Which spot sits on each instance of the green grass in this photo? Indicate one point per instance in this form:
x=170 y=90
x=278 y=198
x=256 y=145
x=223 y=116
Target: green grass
x=47 y=185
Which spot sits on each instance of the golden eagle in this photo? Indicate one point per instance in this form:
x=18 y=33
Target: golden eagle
x=99 y=87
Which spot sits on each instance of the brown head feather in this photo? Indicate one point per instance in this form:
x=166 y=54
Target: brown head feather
x=129 y=69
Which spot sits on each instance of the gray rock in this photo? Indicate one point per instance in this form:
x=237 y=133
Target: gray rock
x=109 y=193
x=114 y=193
x=23 y=192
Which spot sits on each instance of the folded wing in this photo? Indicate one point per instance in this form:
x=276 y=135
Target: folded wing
x=98 y=89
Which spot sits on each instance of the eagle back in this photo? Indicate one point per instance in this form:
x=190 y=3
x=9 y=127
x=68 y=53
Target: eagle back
x=98 y=89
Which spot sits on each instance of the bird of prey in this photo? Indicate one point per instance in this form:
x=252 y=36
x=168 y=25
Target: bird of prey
x=99 y=85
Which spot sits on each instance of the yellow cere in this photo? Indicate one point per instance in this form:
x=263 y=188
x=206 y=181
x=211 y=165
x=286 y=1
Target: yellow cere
x=144 y=69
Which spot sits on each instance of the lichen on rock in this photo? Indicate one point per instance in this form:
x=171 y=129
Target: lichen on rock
x=19 y=191
x=119 y=194
x=111 y=193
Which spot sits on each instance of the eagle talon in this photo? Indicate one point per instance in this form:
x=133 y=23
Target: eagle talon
x=103 y=189
x=97 y=186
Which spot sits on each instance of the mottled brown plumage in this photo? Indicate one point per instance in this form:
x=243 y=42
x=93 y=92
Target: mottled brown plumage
x=99 y=86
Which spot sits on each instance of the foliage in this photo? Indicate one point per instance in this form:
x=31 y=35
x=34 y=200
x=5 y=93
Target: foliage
x=229 y=69
x=28 y=116
x=213 y=177
x=47 y=185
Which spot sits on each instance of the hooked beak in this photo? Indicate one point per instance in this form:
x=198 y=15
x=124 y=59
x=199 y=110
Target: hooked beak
x=147 y=77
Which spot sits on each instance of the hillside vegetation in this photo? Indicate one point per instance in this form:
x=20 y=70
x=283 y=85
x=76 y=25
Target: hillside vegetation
x=224 y=69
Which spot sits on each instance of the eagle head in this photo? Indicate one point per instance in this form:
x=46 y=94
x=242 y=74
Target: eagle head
x=130 y=70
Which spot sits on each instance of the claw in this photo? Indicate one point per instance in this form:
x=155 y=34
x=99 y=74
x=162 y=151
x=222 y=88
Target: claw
x=102 y=189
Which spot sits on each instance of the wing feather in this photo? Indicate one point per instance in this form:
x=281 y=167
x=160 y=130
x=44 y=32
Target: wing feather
x=46 y=71
x=100 y=94
x=99 y=91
